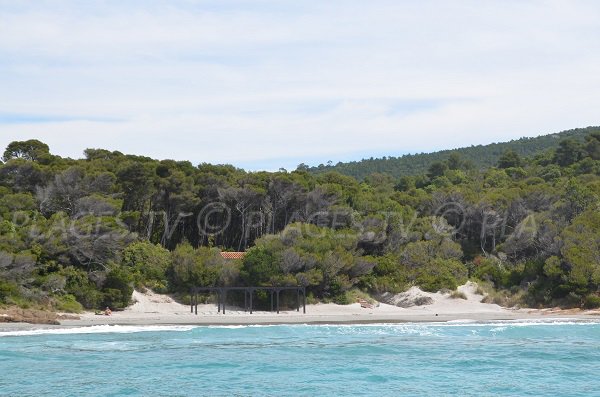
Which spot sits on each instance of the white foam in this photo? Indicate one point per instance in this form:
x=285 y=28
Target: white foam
x=100 y=329
x=519 y=323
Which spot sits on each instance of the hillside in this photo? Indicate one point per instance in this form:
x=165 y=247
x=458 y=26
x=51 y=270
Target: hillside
x=481 y=156
x=84 y=233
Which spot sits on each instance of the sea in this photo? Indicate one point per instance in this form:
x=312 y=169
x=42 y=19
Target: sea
x=502 y=358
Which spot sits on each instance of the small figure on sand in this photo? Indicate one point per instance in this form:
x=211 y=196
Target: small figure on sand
x=107 y=311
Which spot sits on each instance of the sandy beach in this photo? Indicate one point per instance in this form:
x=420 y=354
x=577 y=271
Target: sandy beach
x=155 y=309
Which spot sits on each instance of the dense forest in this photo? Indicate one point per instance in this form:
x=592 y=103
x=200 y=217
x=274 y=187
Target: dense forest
x=84 y=233
x=480 y=156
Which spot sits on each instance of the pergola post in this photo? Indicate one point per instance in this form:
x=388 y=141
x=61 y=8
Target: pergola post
x=304 y=299
x=218 y=301
x=251 y=293
x=224 y=294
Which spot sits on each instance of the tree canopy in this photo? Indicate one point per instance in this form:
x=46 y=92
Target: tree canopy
x=91 y=230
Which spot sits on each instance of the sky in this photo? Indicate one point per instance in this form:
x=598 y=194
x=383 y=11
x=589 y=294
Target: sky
x=270 y=84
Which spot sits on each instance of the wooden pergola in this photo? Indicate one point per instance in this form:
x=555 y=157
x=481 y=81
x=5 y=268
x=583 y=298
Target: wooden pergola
x=221 y=293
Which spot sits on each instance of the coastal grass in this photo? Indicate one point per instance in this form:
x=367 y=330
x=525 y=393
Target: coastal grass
x=502 y=297
x=458 y=295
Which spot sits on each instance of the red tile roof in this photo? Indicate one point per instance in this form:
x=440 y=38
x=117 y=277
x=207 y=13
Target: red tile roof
x=233 y=255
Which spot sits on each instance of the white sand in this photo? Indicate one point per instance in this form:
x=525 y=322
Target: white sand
x=150 y=309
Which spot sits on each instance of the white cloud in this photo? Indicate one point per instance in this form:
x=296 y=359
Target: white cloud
x=253 y=83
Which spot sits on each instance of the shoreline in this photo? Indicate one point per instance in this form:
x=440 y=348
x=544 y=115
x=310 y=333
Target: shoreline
x=287 y=318
x=152 y=309
x=330 y=320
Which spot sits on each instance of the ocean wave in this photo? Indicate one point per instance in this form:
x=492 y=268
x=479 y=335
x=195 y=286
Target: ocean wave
x=100 y=329
x=407 y=327
x=520 y=322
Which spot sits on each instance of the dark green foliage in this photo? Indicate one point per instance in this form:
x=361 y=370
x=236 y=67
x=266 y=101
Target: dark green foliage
x=436 y=169
x=117 y=288
x=259 y=267
x=591 y=302
x=78 y=284
x=569 y=152
x=592 y=145
x=94 y=228
x=492 y=270
x=32 y=150
x=480 y=156
x=8 y=289
x=509 y=159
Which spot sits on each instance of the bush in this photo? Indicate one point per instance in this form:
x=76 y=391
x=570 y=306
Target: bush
x=194 y=267
x=79 y=285
x=491 y=270
x=113 y=298
x=118 y=288
x=68 y=303
x=355 y=294
x=259 y=267
x=458 y=295
x=8 y=290
x=441 y=274
x=591 y=302
x=148 y=263
x=342 y=299
x=501 y=297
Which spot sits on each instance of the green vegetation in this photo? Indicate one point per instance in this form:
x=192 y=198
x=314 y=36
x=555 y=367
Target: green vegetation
x=458 y=295
x=84 y=233
x=479 y=157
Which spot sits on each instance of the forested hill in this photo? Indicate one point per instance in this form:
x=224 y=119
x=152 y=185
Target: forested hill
x=83 y=233
x=480 y=156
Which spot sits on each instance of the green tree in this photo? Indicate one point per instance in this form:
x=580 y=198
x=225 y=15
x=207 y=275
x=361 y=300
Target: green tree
x=436 y=169
x=31 y=150
x=149 y=263
x=569 y=152
x=194 y=267
x=592 y=145
x=117 y=288
x=259 y=267
x=509 y=159
x=581 y=252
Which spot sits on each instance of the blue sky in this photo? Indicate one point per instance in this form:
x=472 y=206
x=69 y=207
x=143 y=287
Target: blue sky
x=270 y=84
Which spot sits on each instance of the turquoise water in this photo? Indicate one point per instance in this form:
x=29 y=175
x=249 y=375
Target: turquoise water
x=464 y=359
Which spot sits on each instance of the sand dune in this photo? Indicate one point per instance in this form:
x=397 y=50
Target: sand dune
x=150 y=308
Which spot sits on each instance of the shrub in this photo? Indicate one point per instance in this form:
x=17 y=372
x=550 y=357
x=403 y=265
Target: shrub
x=501 y=297
x=113 y=298
x=148 y=263
x=81 y=287
x=68 y=303
x=491 y=270
x=259 y=267
x=189 y=267
x=8 y=290
x=458 y=295
x=591 y=301
x=118 y=288
x=441 y=274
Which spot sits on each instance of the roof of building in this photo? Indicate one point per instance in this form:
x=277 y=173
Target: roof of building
x=233 y=255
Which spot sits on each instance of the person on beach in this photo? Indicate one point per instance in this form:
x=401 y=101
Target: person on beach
x=107 y=312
